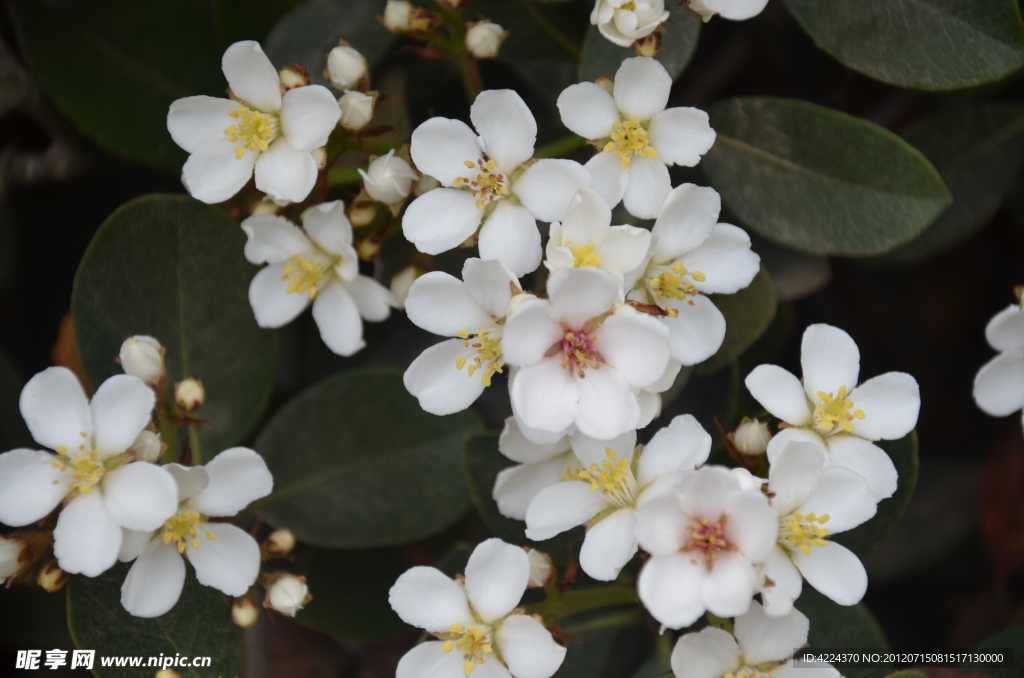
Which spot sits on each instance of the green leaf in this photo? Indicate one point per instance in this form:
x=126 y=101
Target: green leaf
x=172 y=268
x=236 y=20
x=679 y=42
x=820 y=181
x=795 y=275
x=864 y=538
x=199 y=625
x=13 y=432
x=115 y=67
x=307 y=33
x=934 y=45
x=748 y=313
x=978 y=148
x=835 y=627
x=357 y=463
x=1008 y=639
x=537 y=31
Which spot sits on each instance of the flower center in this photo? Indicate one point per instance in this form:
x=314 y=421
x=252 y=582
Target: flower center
x=578 y=352
x=585 y=256
x=87 y=469
x=488 y=353
x=631 y=6
x=183 y=527
x=473 y=641
x=799 y=531
x=708 y=537
x=835 y=410
x=747 y=672
x=254 y=130
x=629 y=137
x=671 y=281
x=305 y=275
x=489 y=185
x=614 y=478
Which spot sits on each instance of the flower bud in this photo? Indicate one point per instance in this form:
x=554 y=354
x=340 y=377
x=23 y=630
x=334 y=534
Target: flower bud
x=401 y=283
x=388 y=178
x=424 y=21
x=51 y=577
x=516 y=301
x=263 y=207
x=12 y=557
x=143 y=357
x=320 y=157
x=189 y=393
x=751 y=437
x=287 y=594
x=279 y=543
x=362 y=214
x=426 y=183
x=293 y=76
x=345 y=67
x=147 y=446
x=244 y=613
x=649 y=45
x=606 y=83
x=356 y=109
x=541 y=569
x=484 y=38
x=368 y=249
x=397 y=16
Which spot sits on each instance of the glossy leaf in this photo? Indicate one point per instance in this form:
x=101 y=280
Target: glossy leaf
x=358 y=464
x=837 y=627
x=748 y=313
x=538 y=31
x=820 y=181
x=172 y=268
x=679 y=42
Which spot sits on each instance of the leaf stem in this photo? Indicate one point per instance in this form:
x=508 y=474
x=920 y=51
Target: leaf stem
x=583 y=600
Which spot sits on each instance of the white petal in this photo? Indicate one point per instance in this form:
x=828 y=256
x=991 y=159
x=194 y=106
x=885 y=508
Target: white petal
x=844 y=496
x=427 y=661
x=510 y=235
x=667 y=378
x=635 y=344
x=529 y=333
x=496 y=578
x=787 y=670
x=440 y=147
x=191 y=480
x=829 y=359
x=866 y=459
x=670 y=588
x=195 y=121
x=506 y=126
x=711 y=653
x=438 y=384
x=683 y=445
x=588 y=110
x=661 y=525
x=56 y=410
x=697 y=332
x=1005 y=332
x=140 y=496
x=490 y=284
x=271 y=302
x=793 y=475
x=285 y=173
x=443 y=304
x=766 y=639
x=121 y=408
x=213 y=174
x=308 y=116
x=86 y=539
x=337 y=318
x=230 y=562
x=548 y=186
x=273 y=239
x=30 y=486
x=739 y=10
x=517 y=447
x=705 y=493
x=238 y=477
x=729 y=587
x=786 y=583
x=999 y=385
x=648 y=188
x=528 y=648
x=681 y=135
x=835 y=571
x=562 y=507
x=751 y=526
x=609 y=545
x=641 y=87
x=251 y=76
x=780 y=393
x=607 y=408
x=689 y=215
x=134 y=543
x=516 y=486
x=425 y=598
x=440 y=219
x=579 y=294
x=608 y=177
x=328 y=226
x=373 y=300
x=624 y=248
x=787 y=436
x=590 y=451
x=725 y=259
x=154 y=582
x=545 y=396
x=890 y=403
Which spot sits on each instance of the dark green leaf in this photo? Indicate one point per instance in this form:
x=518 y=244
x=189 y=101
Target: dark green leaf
x=835 y=627
x=115 y=67
x=235 y=20
x=748 y=313
x=820 y=181
x=172 y=268
x=1009 y=639
x=598 y=644
x=679 y=42
x=795 y=275
x=13 y=432
x=199 y=625
x=656 y=666
x=922 y=44
x=357 y=463
x=537 y=31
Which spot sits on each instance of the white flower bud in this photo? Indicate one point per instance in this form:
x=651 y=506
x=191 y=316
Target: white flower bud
x=288 y=594
x=147 y=446
x=279 y=543
x=401 y=283
x=293 y=76
x=320 y=157
x=263 y=207
x=484 y=38
x=362 y=214
x=397 y=16
x=356 y=109
x=426 y=183
x=516 y=301
x=143 y=357
x=51 y=577
x=388 y=178
x=541 y=569
x=345 y=67
x=244 y=613
x=11 y=553
x=752 y=437
x=189 y=393
x=625 y=22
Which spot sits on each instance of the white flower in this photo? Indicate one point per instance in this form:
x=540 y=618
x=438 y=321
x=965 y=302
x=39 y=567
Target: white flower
x=483 y=39
x=356 y=109
x=313 y=265
x=692 y=256
x=999 y=385
x=737 y=10
x=610 y=489
x=475 y=619
x=585 y=237
x=345 y=66
x=705 y=539
x=812 y=503
x=830 y=410
x=388 y=179
x=257 y=128
x=102 y=493
x=224 y=556
x=445 y=377
x=578 y=360
x=189 y=393
x=487 y=180
x=147 y=446
x=288 y=594
x=759 y=646
x=639 y=137
x=541 y=568
x=142 y=357
x=752 y=437
x=623 y=22
x=10 y=557
x=397 y=14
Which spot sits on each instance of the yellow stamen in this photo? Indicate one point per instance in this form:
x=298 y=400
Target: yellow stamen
x=834 y=411
x=304 y=275
x=671 y=281
x=253 y=131
x=585 y=256
x=629 y=138
x=183 y=528
x=799 y=531
x=487 y=348
x=489 y=184
x=614 y=477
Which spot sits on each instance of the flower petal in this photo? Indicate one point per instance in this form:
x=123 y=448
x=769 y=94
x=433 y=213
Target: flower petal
x=56 y=410
x=890 y=402
x=440 y=219
x=607 y=407
x=766 y=639
x=510 y=235
x=579 y=294
x=751 y=526
x=787 y=436
x=725 y=259
x=529 y=332
x=641 y=87
x=648 y=188
x=443 y=304
x=428 y=661
x=705 y=493
x=230 y=562
x=272 y=303
x=490 y=284
x=636 y=345
x=195 y=121
x=517 y=447
x=516 y=486
x=436 y=381
x=590 y=451
x=608 y=177
x=829 y=359
x=1005 y=332
x=308 y=116
x=272 y=239
x=328 y=226
x=121 y=408
x=251 y=76
x=238 y=477
x=835 y=571
x=844 y=496
x=697 y=332
x=528 y=648
x=793 y=474
x=780 y=393
x=337 y=318
x=786 y=583
x=999 y=385
x=545 y=396
x=134 y=543
x=866 y=459
x=285 y=173
x=213 y=174
x=730 y=585
x=689 y=215
x=588 y=110
x=670 y=588
x=683 y=445
x=427 y=599
x=624 y=248
x=140 y=496
x=154 y=582
x=609 y=545
x=681 y=135
x=86 y=539
x=547 y=187
x=711 y=653
x=506 y=126
x=373 y=301
x=440 y=147
x=30 y=486
x=661 y=524
x=496 y=578
x=562 y=507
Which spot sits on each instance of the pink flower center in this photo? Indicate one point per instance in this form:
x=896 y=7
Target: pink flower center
x=708 y=537
x=578 y=352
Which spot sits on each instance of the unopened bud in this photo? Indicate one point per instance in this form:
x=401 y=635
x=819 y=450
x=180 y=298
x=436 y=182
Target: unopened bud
x=483 y=39
x=541 y=569
x=263 y=207
x=142 y=357
x=51 y=577
x=426 y=183
x=649 y=45
x=751 y=437
x=12 y=557
x=388 y=178
x=279 y=543
x=517 y=300
x=320 y=157
x=345 y=67
x=293 y=76
x=287 y=594
x=362 y=214
x=424 y=21
x=167 y=673
x=147 y=446
x=606 y=83
x=356 y=109
x=368 y=249
x=397 y=15
x=401 y=283
x=189 y=393
x=244 y=613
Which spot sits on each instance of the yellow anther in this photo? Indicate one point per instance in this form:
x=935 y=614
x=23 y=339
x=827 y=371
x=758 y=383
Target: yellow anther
x=469 y=163
x=253 y=131
x=584 y=256
x=480 y=204
x=708 y=537
x=183 y=528
x=491 y=164
x=61 y=449
x=86 y=470
x=304 y=275
x=455 y=628
x=629 y=138
x=487 y=358
x=460 y=362
x=799 y=531
x=468 y=667
x=458 y=181
x=835 y=412
x=628 y=5
x=673 y=281
x=447 y=647
x=489 y=185
x=210 y=535
x=614 y=477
